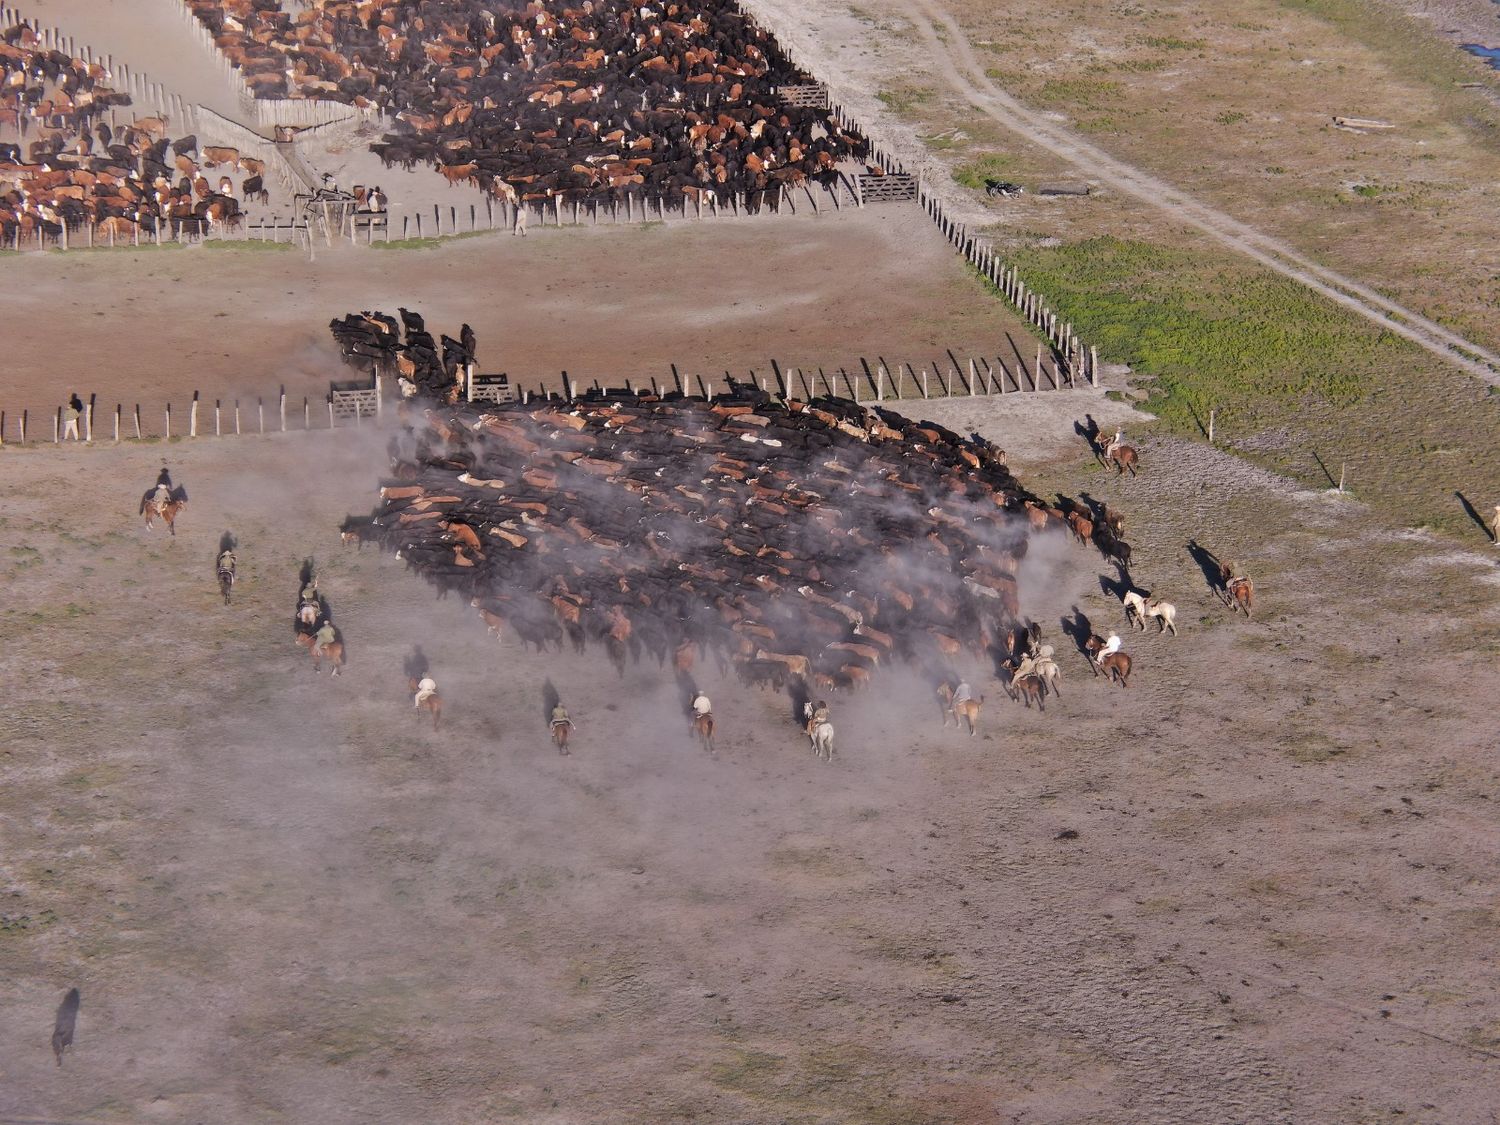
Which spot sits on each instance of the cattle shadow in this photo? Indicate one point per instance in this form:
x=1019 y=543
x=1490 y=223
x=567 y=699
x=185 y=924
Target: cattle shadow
x=1077 y=628
x=415 y=664
x=1473 y=514
x=550 y=699
x=1209 y=564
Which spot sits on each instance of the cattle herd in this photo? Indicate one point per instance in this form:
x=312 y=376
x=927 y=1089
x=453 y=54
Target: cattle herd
x=74 y=168
x=375 y=341
x=805 y=543
x=580 y=101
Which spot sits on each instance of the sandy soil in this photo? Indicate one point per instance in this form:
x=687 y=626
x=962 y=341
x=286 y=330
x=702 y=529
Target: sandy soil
x=282 y=898
x=628 y=301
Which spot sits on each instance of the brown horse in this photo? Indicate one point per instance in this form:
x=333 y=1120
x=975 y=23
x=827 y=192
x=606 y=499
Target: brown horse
x=1240 y=593
x=334 y=651
x=165 y=511
x=560 y=731
x=433 y=704
x=703 y=727
x=962 y=714
x=1115 y=667
x=1124 y=457
x=1028 y=689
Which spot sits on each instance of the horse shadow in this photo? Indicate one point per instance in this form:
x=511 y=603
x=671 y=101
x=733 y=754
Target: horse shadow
x=1096 y=506
x=550 y=699
x=415 y=663
x=687 y=691
x=1088 y=429
x=799 y=698
x=305 y=575
x=1118 y=587
x=1209 y=564
x=1078 y=628
x=1474 y=515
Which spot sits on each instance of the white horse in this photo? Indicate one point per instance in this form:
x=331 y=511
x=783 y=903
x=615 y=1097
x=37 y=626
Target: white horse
x=820 y=736
x=822 y=740
x=1165 y=614
x=1139 y=610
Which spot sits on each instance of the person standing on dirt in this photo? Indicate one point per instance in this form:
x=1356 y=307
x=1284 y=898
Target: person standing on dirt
x=519 y=227
x=71 y=414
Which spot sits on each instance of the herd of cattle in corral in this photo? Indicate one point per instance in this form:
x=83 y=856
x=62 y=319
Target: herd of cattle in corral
x=581 y=102
x=72 y=169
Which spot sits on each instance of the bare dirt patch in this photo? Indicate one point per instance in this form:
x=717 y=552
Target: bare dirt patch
x=806 y=290
x=283 y=896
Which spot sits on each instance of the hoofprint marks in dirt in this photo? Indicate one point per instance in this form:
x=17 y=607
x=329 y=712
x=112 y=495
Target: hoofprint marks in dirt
x=283 y=894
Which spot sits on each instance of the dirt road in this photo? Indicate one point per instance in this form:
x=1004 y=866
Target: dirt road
x=949 y=55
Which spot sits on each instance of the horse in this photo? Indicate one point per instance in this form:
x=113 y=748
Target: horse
x=1028 y=689
x=819 y=734
x=1115 y=667
x=1124 y=457
x=963 y=713
x=433 y=704
x=560 y=731
x=334 y=651
x=225 y=572
x=1240 y=593
x=822 y=740
x=165 y=510
x=703 y=727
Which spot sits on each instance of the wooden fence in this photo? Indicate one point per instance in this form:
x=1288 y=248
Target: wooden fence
x=360 y=403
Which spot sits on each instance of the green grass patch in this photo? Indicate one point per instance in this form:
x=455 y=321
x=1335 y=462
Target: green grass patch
x=990 y=166
x=1173 y=43
x=1088 y=93
x=1229 y=117
x=249 y=245
x=427 y=243
x=1210 y=331
x=905 y=99
x=1205 y=330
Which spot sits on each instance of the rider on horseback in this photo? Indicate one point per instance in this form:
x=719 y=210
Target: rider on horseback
x=1110 y=647
x=1114 y=442
x=560 y=717
x=226 y=560
x=962 y=694
x=817 y=715
x=426 y=689
x=324 y=637
x=701 y=705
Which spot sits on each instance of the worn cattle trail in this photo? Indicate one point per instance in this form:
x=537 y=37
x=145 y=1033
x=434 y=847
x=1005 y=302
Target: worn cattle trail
x=951 y=55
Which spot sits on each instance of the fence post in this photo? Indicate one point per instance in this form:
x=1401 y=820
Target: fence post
x=137 y=421
x=236 y=417
x=1093 y=365
x=118 y=406
x=88 y=420
x=217 y=432
x=283 y=408
x=924 y=383
x=193 y=417
x=306 y=414
x=56 y=424
x=25 y=415
x=260 y=412
x=1211 y=414
x=168 y=434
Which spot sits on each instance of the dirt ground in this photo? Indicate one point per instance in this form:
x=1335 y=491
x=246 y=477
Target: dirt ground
x=283 y=898
x=806 y=290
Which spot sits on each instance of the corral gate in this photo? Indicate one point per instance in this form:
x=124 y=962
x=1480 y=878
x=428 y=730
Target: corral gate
x=804 y=97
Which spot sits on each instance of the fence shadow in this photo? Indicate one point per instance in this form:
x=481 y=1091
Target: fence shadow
x=1474 y=514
